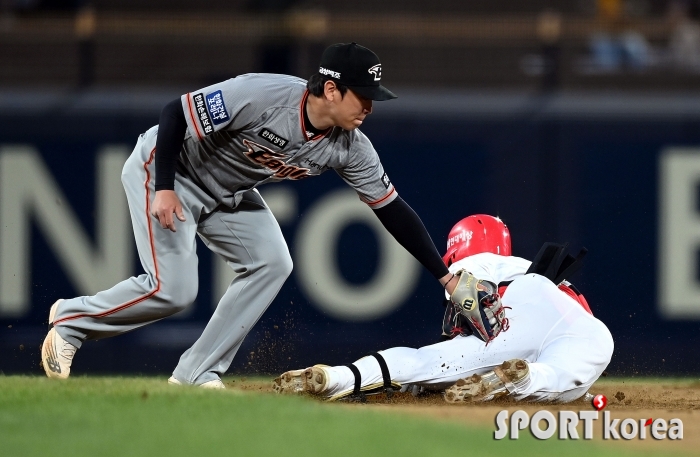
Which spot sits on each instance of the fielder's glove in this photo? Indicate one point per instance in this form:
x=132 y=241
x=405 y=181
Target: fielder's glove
x=478 y=303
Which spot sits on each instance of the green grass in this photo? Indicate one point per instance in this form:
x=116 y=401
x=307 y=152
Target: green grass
x=146 y=417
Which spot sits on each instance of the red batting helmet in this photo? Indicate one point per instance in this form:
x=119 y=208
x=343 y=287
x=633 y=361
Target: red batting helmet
x=476 y=234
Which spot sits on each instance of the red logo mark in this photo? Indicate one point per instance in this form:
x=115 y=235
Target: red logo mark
x=599 y=402
x=273 y=161
x=648 y=422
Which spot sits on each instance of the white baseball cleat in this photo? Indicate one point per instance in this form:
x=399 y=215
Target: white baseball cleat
x=213 y=384
x=503 y=380
x=56 y=353
x=313 y=380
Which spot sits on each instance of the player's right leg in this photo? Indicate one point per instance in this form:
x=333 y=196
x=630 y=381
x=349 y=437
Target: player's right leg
x=574 y=352
x=251 y=242
x=571 y=361
x=168 y=258
x=572 y=355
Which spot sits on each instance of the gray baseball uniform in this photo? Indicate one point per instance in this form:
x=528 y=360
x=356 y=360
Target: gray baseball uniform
x=242 y=133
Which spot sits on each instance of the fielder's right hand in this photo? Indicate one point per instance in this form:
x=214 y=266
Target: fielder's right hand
x=165 y=204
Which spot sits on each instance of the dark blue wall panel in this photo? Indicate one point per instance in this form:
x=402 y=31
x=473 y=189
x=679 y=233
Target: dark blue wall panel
x=590 y=182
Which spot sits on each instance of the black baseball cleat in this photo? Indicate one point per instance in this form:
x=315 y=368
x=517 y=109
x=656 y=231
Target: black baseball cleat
x=503 y=380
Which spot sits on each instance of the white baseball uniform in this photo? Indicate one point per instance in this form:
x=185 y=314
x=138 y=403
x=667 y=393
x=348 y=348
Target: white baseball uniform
x=566 y=348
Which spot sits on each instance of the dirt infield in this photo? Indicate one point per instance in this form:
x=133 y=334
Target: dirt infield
x=635 y=398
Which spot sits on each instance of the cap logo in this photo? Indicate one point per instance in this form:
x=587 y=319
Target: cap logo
x=376 y=71
x=331 y=73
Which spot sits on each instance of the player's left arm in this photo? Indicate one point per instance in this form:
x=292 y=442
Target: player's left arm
x=364 y=172
x=406 y=227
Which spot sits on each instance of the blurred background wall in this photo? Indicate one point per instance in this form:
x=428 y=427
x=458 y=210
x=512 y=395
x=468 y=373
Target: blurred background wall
x=575 y=121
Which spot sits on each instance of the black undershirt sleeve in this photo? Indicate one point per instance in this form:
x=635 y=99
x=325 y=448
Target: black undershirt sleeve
x=404 y=224
x=171 y=136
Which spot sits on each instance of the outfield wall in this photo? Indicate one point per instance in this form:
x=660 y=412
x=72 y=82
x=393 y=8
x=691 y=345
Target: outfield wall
x=618 y=174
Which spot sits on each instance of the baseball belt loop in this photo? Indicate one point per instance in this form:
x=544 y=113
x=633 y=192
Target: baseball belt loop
x=357 y=394
x=388 y=388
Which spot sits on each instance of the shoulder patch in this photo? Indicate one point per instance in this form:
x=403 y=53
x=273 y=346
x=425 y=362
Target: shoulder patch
x=202 y=113
x=216 y=107
x=273 y=138
x=385 y=181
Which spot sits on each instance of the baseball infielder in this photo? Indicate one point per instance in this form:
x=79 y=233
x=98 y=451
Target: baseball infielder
x=551 y=347
x=196 y=173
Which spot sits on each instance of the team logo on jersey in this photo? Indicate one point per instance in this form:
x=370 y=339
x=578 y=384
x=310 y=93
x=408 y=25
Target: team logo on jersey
x=272 y=160
x=385 y=181
x=376 y=71
x=316 y=165
x=202 y=113
x=216 y=107
x=273 y=138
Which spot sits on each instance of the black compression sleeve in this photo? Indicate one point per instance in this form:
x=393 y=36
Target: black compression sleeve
x=404 y=224
x=171 y=135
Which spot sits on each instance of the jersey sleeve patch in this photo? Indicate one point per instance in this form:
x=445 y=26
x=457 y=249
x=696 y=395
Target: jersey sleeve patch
x=385 y=181
x=202 y=113
x=217 y=108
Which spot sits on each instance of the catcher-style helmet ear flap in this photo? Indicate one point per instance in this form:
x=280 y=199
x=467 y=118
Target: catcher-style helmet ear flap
x=476 y=234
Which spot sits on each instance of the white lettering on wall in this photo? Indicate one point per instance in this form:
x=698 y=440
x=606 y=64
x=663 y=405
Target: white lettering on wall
x=318 y=271
x=28 y=192
x=679 y=233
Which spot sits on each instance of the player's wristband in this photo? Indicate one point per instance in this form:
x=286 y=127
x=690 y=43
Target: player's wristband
x=444 y=286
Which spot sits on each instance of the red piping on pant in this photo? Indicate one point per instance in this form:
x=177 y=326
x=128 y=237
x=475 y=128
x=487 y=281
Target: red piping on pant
x=153 y=254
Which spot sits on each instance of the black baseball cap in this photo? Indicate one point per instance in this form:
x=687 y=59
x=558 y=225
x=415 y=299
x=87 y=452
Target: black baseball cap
x=356 y=67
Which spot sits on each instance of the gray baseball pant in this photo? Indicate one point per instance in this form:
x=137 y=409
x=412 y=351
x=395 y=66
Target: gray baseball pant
x=248 y=238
